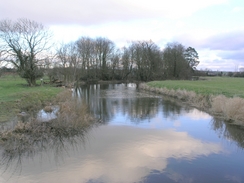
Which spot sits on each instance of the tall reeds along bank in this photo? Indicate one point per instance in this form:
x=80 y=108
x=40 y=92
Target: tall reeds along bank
x=232 y=109
x=229 y=109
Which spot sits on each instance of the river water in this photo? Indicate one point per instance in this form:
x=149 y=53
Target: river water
x=139 y=137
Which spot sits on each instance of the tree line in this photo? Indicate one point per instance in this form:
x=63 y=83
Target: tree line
x=25 y=45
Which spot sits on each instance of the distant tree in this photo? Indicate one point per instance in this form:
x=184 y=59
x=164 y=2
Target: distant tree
x=98 y=58
x=191 y=57
x=104 y=49
x=230 y=74
x=127 y=63
x=86 y=51
x=175 y=65
x=24 y=43
x=68 y=59
x=179 y=62
x=115 y=65
x=148 y=60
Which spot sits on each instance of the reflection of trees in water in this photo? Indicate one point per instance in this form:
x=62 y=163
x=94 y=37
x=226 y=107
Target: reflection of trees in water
x=170 y=110
x=141 y=109
x=173 y=108
x=19 y=145
x=105 y=100
x=99 y=107
x=229 y=131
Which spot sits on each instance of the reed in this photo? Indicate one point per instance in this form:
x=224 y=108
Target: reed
x=231 y=108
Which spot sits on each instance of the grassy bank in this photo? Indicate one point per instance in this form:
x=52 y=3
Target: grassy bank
x=16 y=96
x=220 y=96
x=227 y=86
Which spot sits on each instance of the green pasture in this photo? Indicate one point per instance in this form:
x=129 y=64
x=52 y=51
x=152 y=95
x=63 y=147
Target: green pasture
x=16 y=96
x=227 y=86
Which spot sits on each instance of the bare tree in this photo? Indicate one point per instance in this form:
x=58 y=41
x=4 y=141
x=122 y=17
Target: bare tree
x=86 y=46
x=63 y=57
x=115 y=65
x=104 y=50
x=67 y=57
x=75 y=62
x=24 y=44
x=127 y=63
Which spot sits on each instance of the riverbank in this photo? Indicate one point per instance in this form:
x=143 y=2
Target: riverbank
x=218 y=96
x=72 y=119
x=16 y=96
x=33 y=136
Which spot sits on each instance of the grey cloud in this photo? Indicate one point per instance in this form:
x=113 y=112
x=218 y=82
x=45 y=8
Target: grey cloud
x=229 y=41
x=229 y=47
x=226 y=41
x=217 y=65
x=73 y=11
x=90 y=12
x=235 y=55
x=225 y=62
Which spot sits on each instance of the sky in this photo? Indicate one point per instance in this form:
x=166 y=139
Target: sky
x=215 y=28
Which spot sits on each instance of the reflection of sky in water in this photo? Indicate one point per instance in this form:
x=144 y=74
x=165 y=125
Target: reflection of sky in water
x=179 y=146
x=116 y=151
x=194 y=122
x=43 y=116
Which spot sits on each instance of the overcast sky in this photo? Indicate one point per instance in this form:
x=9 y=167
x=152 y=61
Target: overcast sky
x=215 y=28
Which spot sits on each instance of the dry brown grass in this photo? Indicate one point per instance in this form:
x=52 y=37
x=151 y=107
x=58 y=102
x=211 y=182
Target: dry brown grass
x=230 y=109
x=73 y=114
x=179 y=94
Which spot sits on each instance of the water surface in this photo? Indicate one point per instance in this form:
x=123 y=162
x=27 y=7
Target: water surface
x=139 y=137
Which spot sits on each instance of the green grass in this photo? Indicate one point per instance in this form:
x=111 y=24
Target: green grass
x=16 y=96
x=230 y=87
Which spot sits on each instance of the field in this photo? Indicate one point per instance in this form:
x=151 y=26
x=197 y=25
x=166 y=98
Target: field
x=221 y=96
x=227 y=86
x=16 y=96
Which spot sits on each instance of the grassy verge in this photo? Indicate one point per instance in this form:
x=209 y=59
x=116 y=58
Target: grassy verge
x=16 y=96
x=217 y=95
x=229 y=87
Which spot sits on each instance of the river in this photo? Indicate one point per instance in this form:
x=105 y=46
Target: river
x=139 y=137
